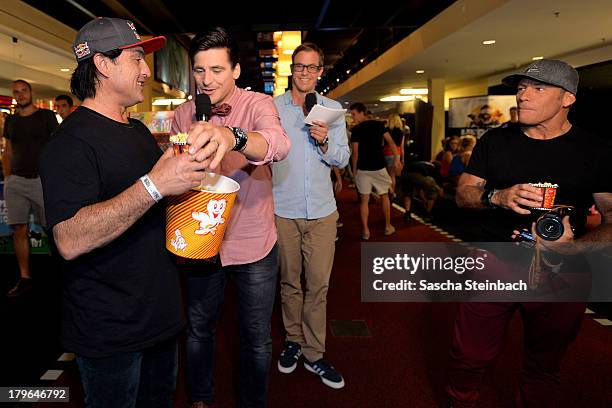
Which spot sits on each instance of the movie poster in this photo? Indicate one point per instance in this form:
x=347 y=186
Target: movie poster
x=480 y=112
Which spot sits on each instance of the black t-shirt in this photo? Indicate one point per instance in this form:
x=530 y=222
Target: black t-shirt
x=396 y=135
x=124 y=296
x=577 y=161
x=369 y=135
x=28 y=135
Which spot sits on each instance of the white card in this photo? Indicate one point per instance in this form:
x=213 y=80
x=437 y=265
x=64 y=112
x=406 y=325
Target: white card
x=324 y=114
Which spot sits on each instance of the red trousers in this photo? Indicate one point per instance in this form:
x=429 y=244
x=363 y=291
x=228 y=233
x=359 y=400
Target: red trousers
x=478 y=338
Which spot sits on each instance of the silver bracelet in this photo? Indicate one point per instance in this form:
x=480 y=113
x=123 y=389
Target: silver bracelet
x=151 y=189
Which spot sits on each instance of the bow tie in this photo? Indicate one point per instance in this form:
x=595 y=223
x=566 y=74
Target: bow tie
x=221 y=110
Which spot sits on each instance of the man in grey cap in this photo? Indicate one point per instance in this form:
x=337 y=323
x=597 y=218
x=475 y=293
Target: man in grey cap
x=104 y=179
x=546 y=147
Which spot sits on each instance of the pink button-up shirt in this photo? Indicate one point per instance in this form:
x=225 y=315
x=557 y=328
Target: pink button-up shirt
x=251 y=233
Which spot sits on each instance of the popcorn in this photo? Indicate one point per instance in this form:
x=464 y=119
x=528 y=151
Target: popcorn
x=179 y=138
x=549 y=191
x=179 y=142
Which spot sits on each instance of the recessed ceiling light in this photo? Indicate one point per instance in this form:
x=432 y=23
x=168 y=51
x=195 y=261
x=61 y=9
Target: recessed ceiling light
x=361 y=60
x=420 y=71
x=537 y=58
x=397 y=98
x=488 y=42
x=337 y=79
x=65 y=69
x=348 y=71
x=414 y=91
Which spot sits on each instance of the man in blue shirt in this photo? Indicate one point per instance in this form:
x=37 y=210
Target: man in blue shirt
x=306 y=217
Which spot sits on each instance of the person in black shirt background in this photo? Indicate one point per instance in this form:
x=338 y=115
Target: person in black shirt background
x=26 y=133
x=546 y=148
x=368 y=165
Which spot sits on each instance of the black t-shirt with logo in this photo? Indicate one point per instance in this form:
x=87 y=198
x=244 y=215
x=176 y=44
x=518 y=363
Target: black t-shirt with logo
x=369 y=135
x=577 y=161
x=28 y=135
x=124 y=296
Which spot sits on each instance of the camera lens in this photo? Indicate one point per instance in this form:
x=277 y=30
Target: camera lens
x=550 y=227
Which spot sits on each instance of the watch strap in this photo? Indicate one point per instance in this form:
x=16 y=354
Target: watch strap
x=241 y=136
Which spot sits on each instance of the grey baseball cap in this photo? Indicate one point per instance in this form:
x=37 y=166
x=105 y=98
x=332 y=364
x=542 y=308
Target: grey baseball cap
x=549 y=71
x=105 y=34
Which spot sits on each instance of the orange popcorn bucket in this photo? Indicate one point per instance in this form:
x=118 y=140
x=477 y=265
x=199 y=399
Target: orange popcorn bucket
x=196 y=220
x=549 y=193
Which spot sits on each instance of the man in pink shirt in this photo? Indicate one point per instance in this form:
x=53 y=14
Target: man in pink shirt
x=241 y=139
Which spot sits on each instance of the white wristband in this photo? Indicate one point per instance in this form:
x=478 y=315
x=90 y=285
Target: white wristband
x=151 y=189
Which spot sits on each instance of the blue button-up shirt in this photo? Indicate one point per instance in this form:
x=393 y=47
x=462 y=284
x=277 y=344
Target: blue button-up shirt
x=301 y=183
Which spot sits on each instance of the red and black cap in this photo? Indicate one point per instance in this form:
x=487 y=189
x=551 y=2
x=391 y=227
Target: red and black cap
x=105 y=34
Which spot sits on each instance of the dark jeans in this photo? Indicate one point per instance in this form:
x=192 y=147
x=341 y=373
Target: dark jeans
x=478 y=338
x=256 y=287
x=140 y=379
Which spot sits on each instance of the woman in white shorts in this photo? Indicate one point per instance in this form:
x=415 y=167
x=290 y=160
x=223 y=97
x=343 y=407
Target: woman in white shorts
x=369 y=166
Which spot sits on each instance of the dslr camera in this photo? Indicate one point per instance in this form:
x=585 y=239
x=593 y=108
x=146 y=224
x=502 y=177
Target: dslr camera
x=550 y=225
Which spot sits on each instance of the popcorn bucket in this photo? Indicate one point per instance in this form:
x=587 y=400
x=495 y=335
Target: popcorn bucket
x=179 y=143
x=196 y=220
x=549 y=192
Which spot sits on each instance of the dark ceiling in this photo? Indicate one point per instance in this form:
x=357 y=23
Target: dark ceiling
x=351 y=33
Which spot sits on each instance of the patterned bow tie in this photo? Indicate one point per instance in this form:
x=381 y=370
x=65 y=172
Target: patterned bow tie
x=221 y=110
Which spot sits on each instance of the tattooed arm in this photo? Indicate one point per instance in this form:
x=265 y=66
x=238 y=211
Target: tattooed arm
x=470 y=189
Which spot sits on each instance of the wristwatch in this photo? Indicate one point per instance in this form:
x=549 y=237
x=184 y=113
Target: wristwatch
x=324 y=142
x=241 y=137
x=486 y=197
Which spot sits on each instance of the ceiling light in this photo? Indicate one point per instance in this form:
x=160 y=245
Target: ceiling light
x=337 y=79
x=65 y=69
x=290 y=40
x=361 y=60
x=348 y=71
x=397 y=98
x=248 y=88
x=537 y=58
x=420 y=71
x=488 y=42
x=414 y=91
x=164 y=101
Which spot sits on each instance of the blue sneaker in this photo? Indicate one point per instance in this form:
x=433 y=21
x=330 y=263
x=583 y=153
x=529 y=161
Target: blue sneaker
x=327 y=372
x=289 y=357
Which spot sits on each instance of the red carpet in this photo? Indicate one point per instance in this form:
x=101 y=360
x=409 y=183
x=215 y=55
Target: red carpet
x=403 y=363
